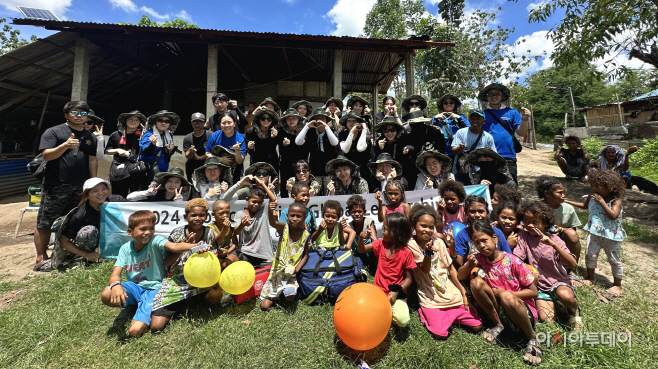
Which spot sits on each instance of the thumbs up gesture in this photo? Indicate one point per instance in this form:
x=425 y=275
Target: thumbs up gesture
x=72 y=142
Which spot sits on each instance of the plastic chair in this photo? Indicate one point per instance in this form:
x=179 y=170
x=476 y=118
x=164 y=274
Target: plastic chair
x=33 y=205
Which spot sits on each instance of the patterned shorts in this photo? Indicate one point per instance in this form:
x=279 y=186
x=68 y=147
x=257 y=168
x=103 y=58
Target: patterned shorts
x=273 y=288
x=86 y=239
x=57 y=201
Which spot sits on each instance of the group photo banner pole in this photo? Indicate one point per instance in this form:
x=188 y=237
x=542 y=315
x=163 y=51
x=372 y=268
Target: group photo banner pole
x=171 y=214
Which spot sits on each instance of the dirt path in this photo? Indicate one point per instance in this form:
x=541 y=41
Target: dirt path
x=640 y=260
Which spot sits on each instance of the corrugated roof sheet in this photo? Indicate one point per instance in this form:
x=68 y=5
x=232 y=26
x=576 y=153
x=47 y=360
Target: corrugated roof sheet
x=650 y=94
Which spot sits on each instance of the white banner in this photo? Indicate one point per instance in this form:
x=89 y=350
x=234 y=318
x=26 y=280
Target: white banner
x=169 y=215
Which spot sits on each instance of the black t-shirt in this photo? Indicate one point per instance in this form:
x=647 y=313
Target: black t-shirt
x=86 y=215
x=118 y=172
x=572 y=160
x=198 y=142
x=72 y=167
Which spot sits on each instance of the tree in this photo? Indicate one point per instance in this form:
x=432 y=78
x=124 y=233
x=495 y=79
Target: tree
x=9 y=40
x=592 y=30
x=176 y=23
x=480 y=56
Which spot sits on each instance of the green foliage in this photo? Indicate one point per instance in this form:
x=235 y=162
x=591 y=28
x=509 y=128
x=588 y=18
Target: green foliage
x=9 y=40
x=644 y=162
x=393 y=19
x=147 y=22
x=592 y=30
x=593 y=146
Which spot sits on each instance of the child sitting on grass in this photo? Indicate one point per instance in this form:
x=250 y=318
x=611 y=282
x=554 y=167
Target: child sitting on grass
x=604 y=224
x=175 y=294
x=551 y=191
x=508 y=222
x=356 y=208
x=300 y=192
x=142 y=258
x=394 y=198
x=547 y=254
x=449 y=206
x=506 y=293
x=332 y=234
x=395 y=263
x=291 y=255
x=443 y=300
x=254 y=241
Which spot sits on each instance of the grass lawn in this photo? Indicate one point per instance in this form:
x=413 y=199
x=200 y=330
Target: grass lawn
x=65 y=309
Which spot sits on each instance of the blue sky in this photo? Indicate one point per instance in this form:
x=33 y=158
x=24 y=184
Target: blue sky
x=326 y=17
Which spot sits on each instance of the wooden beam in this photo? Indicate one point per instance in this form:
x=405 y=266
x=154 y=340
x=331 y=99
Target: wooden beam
x=358 y=67
x=24 y=90
x=9 y=111
x=235 y=64
x=395 y=67
x=16 y=68
x=43 y=113
x=32 y=65
x=285 y=56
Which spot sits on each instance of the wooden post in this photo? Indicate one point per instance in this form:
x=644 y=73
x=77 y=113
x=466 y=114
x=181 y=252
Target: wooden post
x=566 y=115
x=43 y=112
x=621 y=117
x=409 y=73
x=534 y=133
x=375 y=105
x=585 y=117
x=211 y=78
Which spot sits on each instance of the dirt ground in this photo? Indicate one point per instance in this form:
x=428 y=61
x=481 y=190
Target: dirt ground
x=17 y=254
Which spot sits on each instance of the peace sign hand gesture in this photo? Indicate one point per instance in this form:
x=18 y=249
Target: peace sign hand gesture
x=179 y=194
x=98 y=132
x=153 y=190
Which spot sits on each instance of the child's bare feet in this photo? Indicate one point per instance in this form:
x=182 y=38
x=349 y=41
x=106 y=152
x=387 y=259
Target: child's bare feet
x=587 y=282
x=615 y=291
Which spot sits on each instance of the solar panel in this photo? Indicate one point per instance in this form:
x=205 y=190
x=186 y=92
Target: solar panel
x=34 y=13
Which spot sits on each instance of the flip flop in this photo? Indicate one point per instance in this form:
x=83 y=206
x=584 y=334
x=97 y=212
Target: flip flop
x=45 y=266
x=494 y=332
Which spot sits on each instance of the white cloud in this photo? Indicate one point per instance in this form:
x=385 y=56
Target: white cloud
x=537 y=44
x=533 y=6
x=125 y=5
x=59 y=7
x=342 y=15
x=434 y=2
x=184 y=15
x=153 y=13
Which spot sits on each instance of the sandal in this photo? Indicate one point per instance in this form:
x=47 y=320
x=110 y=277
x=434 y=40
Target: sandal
x=44 y=266
x=494 y=332
x=532 y=354
x=576 y=323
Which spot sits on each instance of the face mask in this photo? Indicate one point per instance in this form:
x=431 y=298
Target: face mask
x=487 y=167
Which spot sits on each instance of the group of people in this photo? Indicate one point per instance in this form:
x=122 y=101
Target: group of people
x=506 y=269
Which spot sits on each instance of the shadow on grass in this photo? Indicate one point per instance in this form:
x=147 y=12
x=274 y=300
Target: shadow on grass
x=372 y=356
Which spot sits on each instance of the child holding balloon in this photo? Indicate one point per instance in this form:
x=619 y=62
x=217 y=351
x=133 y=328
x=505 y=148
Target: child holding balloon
x=395 y=263
x=225 y=233
x=443 y=300
x=176 y=294
x=291 y=254
x=142 y=258
x=506 y=292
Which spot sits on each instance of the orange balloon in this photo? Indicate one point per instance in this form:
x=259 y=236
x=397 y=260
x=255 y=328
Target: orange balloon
x=362 y=316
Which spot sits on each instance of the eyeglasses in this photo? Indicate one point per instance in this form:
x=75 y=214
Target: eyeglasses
x=133 y=120
x=166 y=121
x=391 y=130
x=448 y=103
x=261 y=174
x=75 y=113
x=302 y=171
x=88 y=123
x=263 y=119
x=496 y=94
x=414 y=103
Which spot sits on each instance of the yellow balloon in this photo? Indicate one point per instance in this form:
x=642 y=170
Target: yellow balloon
x=238 y=278
x=202 y=270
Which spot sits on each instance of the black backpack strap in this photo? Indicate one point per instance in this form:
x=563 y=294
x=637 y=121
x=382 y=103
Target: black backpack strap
x=508 y=129
x=316 y=270
x=336 y=264
x=475 y=144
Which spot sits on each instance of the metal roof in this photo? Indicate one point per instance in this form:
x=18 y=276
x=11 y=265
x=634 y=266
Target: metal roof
x=648 y=95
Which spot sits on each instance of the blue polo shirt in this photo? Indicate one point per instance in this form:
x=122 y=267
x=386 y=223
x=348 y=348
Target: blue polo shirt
x=218 y=138
x=512 y=119
x=310 y=219
x=464 y=245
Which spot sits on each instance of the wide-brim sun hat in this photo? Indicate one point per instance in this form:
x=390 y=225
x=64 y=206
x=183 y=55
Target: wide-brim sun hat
x=307 y=104
x=319 y=111
x=339 y=161
x=175 y=119
x=416 y=116
x=337 y=101
x=351 y=115
x=95 y=118
x=482 y=96
x=269 y=100
x=421 y=100
x=173 y=172
x=199 y=175
x=472 y=157
x=221 y=151
x=388 y=121
x=258 y=113
x=385 y=158
x=212 y=161
x=439 y=102
x=121 y=120
x=353 y=99
x=291 y=112
x=423 y=156
x=261 y=165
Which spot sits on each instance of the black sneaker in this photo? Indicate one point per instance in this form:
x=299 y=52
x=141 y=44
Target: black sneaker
x=126 y=313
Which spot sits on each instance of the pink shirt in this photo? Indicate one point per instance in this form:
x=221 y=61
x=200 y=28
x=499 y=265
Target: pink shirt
x=545 y=259
x=390 y=209
x=459 y=216
x=508 y=273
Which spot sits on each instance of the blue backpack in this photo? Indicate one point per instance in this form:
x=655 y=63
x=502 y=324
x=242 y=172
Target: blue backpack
x=327 y=273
